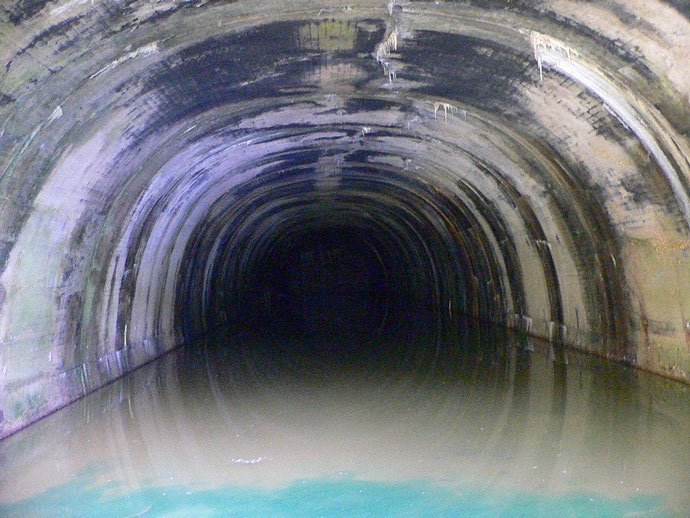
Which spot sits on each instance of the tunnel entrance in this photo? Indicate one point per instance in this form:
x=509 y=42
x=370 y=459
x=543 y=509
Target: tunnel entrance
x=474 y=158
x=270 y=226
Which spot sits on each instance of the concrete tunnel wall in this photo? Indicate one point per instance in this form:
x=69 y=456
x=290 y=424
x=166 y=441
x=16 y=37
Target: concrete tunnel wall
x=523 y=162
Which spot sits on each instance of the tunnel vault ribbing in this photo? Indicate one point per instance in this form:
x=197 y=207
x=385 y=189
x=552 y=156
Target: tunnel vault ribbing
x=511 y=161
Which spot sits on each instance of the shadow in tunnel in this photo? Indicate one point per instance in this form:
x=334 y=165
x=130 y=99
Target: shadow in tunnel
x=331 y=285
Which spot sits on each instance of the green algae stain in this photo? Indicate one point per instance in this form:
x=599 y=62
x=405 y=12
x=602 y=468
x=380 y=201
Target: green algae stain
x=336 y=496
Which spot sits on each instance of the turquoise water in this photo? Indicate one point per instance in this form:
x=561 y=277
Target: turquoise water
x=466 y=423
x=324 y=497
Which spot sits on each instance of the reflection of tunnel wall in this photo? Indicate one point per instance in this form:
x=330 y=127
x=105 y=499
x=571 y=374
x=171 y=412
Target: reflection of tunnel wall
x=169 y=168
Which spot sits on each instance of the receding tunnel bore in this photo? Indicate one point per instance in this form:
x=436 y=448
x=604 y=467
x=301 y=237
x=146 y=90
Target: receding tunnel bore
x=329 y=282
x=342 y=254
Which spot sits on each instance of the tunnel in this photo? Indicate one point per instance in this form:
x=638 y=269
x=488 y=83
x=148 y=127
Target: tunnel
x=332 y=170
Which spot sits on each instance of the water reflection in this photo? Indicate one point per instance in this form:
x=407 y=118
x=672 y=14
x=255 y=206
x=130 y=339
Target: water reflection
x=468 y=414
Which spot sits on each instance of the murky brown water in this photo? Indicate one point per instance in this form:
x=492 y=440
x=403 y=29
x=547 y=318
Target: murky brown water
x=474 y=411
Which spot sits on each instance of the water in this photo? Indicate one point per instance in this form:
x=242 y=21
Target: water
x=467 y=422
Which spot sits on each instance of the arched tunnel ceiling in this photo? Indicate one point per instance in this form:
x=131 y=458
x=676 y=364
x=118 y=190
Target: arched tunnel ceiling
x=524 y=163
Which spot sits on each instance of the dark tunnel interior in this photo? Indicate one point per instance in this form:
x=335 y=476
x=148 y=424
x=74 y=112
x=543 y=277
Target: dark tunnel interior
x=339 y=254
x=330 y=281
